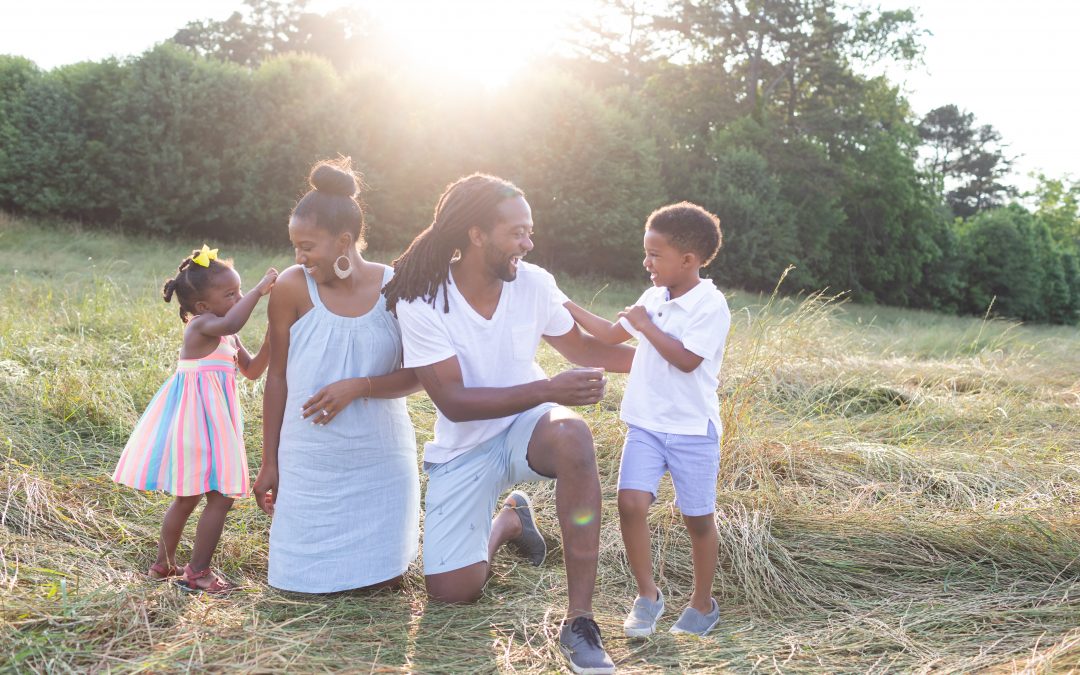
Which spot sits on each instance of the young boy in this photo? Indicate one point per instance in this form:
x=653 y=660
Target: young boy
x=670 y=405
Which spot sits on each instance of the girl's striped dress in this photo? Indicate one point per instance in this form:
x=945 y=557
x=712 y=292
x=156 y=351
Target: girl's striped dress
x=190 y=440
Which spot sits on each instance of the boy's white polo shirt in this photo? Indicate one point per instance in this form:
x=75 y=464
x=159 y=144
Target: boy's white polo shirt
x=660 y=397
x=495 y=352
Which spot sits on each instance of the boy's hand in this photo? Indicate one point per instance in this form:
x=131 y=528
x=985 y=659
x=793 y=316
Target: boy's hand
x=267 y=282
x=637 y=316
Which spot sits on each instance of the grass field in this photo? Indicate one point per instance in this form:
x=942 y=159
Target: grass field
x=898 y=493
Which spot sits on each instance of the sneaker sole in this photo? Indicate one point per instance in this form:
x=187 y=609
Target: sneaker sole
x=581 y=670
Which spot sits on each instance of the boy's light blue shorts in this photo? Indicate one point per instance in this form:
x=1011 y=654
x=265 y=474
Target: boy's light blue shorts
x=461 y=494
x=694 y=463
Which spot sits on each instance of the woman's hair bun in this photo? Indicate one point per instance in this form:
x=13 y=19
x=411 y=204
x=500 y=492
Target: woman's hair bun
x=334 y=177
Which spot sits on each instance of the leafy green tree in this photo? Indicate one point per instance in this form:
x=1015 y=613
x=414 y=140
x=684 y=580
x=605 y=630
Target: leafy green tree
x=967 y=164
x=758 y=224
x=775 y=46
x=248 y=37
x=45 y=164
x=1002 y=263
x=181 y=135
x=266 y=28
x=1058 y=207
x=16 y=75
x=590 y=172
x=296 y=120
x=619 y=43
x=887 y=239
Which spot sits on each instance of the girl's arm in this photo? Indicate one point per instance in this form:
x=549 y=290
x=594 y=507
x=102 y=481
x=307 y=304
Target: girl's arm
x=237 y=316
x=603 y=330
x=334 y=397
x=252 y=367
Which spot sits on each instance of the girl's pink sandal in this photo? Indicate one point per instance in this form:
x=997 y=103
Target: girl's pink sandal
x=217 y=585
x=159 y=572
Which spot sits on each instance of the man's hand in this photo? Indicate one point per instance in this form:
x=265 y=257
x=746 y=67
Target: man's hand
x=580 y=386
x=637 y=316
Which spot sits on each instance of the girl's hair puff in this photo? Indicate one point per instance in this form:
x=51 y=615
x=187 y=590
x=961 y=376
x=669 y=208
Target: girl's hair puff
x=332 y=202
x=424 y=266
x=191 y=283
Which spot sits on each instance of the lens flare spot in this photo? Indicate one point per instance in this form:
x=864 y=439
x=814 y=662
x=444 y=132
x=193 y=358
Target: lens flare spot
x=583 y=517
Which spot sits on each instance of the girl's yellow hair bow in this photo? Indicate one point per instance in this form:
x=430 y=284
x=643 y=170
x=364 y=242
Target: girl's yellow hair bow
x=204 y=256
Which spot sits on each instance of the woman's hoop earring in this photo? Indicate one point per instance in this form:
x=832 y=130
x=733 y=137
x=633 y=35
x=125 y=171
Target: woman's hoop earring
x=342 y=273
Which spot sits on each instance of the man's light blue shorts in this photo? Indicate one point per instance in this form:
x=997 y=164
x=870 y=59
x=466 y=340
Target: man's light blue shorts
x=461 y=494
x=694 y=463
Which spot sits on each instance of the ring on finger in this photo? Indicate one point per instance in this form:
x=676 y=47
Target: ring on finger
x=324 y=412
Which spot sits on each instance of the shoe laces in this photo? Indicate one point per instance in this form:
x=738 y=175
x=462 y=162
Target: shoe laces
x=587 y=629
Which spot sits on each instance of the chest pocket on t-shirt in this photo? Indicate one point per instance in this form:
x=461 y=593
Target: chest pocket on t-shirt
x=523 y=337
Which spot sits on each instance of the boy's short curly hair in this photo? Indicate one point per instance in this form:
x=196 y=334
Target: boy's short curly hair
x=689 y=228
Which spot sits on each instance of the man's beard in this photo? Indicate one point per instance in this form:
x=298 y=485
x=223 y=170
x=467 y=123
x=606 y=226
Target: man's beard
x=498 y=263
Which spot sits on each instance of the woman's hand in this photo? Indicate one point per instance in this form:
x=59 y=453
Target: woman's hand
x=266 y=488
x=332 y=399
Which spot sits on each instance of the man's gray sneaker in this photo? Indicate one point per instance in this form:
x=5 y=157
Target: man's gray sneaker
x=580 y=643
x=693 y=621
x=530 y=543
x=641 y=620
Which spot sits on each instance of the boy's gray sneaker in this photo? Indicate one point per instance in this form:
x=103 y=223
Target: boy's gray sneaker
x=641 y=620
x=530 y=543
x=580 y=643
x=693 y=621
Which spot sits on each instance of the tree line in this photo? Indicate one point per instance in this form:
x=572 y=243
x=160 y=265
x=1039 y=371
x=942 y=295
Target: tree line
x=764 y=111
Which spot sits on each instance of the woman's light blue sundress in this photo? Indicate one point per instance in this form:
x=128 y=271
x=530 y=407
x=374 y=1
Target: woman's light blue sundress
x=348 y=509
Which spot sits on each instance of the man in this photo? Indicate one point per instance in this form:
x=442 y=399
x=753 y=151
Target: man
x=472 y=314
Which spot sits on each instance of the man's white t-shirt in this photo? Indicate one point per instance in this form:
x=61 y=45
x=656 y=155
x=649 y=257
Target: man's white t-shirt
x=495 y=352
x=660 y=397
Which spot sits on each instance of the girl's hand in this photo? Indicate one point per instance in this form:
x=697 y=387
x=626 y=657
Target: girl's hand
x=637 y=316
x=265 y=489
x=267 y=282
x=332 y=399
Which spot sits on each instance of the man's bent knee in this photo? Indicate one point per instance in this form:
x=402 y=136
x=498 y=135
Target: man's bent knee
x=562 y=444
x=460 y=586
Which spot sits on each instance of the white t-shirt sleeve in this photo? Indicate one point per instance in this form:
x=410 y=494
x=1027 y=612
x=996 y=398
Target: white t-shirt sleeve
x=558 y=320
x=424 y=337
x=643 y=301
x=708 y=329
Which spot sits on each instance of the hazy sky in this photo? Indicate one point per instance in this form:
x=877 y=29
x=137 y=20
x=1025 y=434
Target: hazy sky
x=1016 y=65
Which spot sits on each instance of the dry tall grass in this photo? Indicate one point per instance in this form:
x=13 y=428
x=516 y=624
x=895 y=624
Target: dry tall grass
x=897 y=493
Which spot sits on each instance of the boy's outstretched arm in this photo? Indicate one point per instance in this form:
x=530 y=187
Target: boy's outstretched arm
x=670 y=348
x=589 y=351
x=603 y=330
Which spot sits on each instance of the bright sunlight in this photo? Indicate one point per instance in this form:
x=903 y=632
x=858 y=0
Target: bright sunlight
x=485 y=41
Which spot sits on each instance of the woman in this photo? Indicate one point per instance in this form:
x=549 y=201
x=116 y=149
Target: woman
x=339 y=472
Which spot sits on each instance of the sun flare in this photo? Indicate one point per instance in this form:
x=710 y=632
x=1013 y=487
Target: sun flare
x=481 y=40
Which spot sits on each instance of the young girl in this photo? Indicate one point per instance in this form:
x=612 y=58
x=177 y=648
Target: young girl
x=190 y=442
